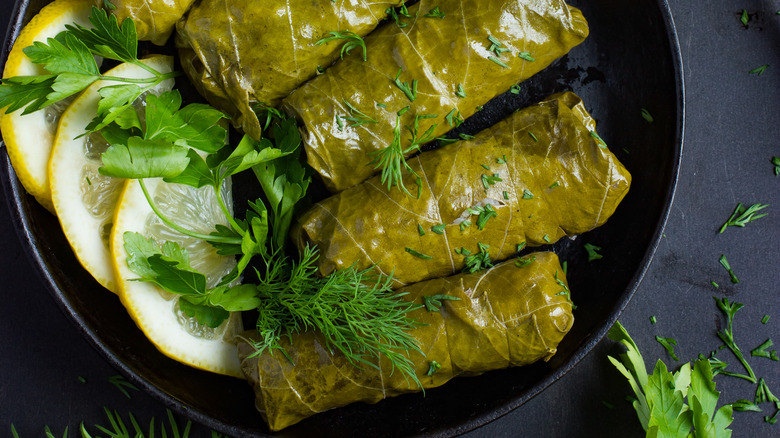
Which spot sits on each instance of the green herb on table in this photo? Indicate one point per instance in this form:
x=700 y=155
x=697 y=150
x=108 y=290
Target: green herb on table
x=727 y=336
x=668 y=344
x=743 y=405
x=653 y=320
x=435 y=13
x=742 y=216
x=432 y=303
x=744 y=18
x=727 y=266
x=714 y=284
x=761 y=351
x=764 y=395
x=485 y=214
x=352 y=41
x=647 y=116
x=122 y=385
x=410 y=91
x=765 y=319
x=592 y=251
x=776 y=162
x=660 y=397
x=758 y=71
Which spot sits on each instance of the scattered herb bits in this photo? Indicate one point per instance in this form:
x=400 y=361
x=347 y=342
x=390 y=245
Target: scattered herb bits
x=744 y=18
x=776 y=162
x=592 y=251
x=742 y=216
x=647 y=116
x=758 y=71
x=438 y=229
x=432 y=303
x=668 y=344
x=727 y=266
x=514 y=89
x=433 y=367
x=418 y=254
x=653 y=320
x=460 y=92
x=765 y=319
x=435 y=13
x=763 y=351
x=420 y=230
x=527 y=56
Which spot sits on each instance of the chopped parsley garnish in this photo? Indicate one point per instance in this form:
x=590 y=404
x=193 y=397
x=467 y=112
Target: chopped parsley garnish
x=435 y=13
x=520 y=246
x=409 y=91
x=465 y=136
x=765 y=319
x=761 y=351
x=647 y=116
x=525 y=261
x=381 y=105
x=546 y=238
x=653 y=320
x=776 y=163
x=592 y=252
x=527 y=194
x=744 y=18
x=418 y=254
x=356 y=117
x=479 y=261
x=433 y=302
x=714 y=284
x=533 y=136
x=454 y=118
x=438 y=229
x=485 y=166
x=668 y=344
x=433 y=368
x=553 y=185
x=465 y=224
x=460 y=92
x=527 y=56
x=394 y=14
x=602 y=144
x=420 y=230
x=742 y=216
x=726 y=265
x=479 y=107
x=566 y=292
x=759 y=70
x=484 y=215
x=506 y=195
x=514 y=89
x=488 y=181
x=352 y=39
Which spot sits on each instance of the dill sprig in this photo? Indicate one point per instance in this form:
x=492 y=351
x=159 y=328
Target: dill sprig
x=356 y=311
x=352 y=40
x=741 y=216
x=356 y=117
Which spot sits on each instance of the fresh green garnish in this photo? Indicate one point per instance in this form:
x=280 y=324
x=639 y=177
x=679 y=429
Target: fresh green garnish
x=546 y=238
x=485 y=166
x=488 y=181
x=409 y=91
x=420 y=230
x=505 y=194
x=602 y=144
x=527 y=194
x=744 y=18
x=433 y=367
x=460 y=92
x=465 y=224
x=776 y=162
x=765 y=319
x=527 y=56
x=396 y=15
x=653 y=320
x=352 y=40
x=553 y=185
x=668 y=344
x=501 y=160
x=714 y=284
x=520 y=246
x=725 y=264
x=743 y=405
x=759 y=70
x=592 y=251
x=660 y=397
x=565 y=292
x=479 y=260
x=525 y=261
x=434 y=13
x=438 y=229
x=533 y=136
x=498 y=61
x=497 y=47
x=417 y=254
x=122 y=385
x=761 y=351
x=465 y=136
x=356 y=117
x=764 y=395
x=392 y=160
x=432 y=303
x=485 y=214
x=742 y=216
x=453 y=118
x=565 y=266
x=647 y=116
x=70 y=61
x=727 y=336
x=515 y=89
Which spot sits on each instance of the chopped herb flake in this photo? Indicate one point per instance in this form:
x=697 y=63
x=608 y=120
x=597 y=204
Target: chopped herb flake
x=438 y=229
x=486 y=213
x=546 y=238
x=744 y=18
x=434 y=13
x=433 y=367
x=506 y=195
x=716 y=285
x=460 y=92
x=527 y=56
x=742 y=216
x=776 y=163
x=486 y=167
x=726 y=265
x=525 y=261
x=527 y=194
x=464 y=225
x=553 y=185
x=514 y=89
x=653 y=320
x=497 y=61
x=465 y=136
x=501 y=160
x=761 y=351
x=668 y=344
x=418 y=254
x=520 y=246
x=647 y=116
x=488 y=181
x=420 y=230
x=566 y=292
x=565 y=266
x=410 y=92
x=759 y=70
x=453 y=118
x=765 y=319
x=533 y=136
x=478 y=261
x=602 y=144
x=592 y=252
x=352 y=39
x=433 y=302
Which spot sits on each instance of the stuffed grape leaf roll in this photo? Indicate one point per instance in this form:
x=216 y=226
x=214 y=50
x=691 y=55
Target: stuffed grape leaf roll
x=443 y=67
x=154 y=19
x=539 y=175
x=513 y=314
x=240 y=53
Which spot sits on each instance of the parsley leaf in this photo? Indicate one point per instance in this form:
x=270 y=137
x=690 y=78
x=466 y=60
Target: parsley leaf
x=433 y=302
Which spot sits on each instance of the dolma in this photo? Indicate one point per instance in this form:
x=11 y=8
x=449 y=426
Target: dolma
x=241 y=53
x=442 y=67
x=154 y=19
x=511 y=315
x=539 y=175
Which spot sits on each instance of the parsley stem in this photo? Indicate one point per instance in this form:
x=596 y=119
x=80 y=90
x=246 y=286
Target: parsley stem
x=225 y=211
x=155 y=80
x=186 y=232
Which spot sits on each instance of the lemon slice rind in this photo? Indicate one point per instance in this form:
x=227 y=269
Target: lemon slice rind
x=29 y=138
x=152 y=309
x=81 y=228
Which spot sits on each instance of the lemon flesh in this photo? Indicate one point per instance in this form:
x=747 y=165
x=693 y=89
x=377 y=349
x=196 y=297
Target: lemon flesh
x=155 y=311
x=84 y=200
x=29 y=138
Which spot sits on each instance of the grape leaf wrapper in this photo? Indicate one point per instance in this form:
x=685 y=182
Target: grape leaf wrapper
x=439 y=54
x=240 y=53
x=367 y=224
x=154 y=19
x=512 y=316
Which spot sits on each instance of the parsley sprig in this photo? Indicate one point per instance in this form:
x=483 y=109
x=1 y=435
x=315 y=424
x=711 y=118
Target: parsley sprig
x=70 y=60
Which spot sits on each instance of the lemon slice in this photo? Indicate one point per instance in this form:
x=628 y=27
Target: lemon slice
x=155 y=311
x=29 y=138
x=83 y=199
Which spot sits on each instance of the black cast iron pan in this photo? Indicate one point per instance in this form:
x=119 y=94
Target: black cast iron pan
x=630 y=61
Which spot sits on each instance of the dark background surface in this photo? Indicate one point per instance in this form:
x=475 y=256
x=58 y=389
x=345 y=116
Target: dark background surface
x=732 y=131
